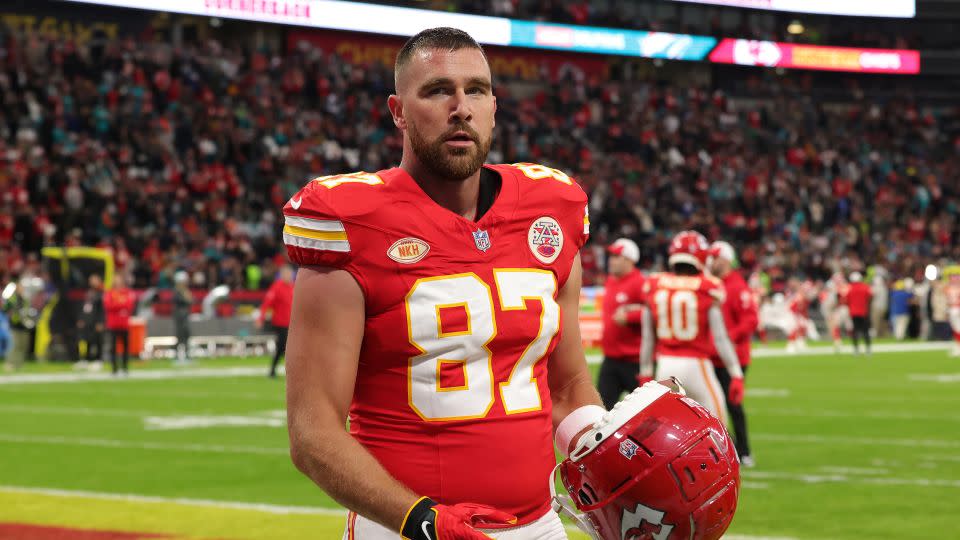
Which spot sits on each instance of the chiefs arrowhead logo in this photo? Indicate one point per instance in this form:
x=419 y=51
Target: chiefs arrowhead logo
x=644 y=523
x=545 y=239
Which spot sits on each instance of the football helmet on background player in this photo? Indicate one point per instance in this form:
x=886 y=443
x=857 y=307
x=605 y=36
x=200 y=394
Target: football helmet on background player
x=658 y=466
x=688 y=247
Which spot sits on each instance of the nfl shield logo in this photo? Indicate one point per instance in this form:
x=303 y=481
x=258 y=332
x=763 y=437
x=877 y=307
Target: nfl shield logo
x=482 y=240
x=629 y=448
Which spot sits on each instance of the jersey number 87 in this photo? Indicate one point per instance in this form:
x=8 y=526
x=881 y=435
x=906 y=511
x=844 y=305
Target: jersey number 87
x=467 y=349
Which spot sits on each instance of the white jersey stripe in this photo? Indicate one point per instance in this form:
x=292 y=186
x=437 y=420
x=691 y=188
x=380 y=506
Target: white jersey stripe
x=340 y=246
x=325 y=225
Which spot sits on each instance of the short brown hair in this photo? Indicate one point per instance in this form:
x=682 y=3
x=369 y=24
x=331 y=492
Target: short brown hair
x=443 y=37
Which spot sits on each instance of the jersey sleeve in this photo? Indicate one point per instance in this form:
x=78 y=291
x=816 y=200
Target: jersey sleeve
x=313 y=232
x=715 y=290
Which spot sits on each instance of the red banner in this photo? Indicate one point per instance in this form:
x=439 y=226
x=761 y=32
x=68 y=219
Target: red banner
x=504 y=62
x=747 y=52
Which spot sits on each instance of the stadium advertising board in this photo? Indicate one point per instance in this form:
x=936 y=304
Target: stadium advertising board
x=863 y=8
x=610 y=41
x=747 y=52
x=515 y=63
x=388 y=20
x=352 y=16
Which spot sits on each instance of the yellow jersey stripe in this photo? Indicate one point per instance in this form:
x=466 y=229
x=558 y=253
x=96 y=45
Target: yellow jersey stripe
x=316 y=235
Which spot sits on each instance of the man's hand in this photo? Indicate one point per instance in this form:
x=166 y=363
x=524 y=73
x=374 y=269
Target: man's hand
x=430 y=521
x=736 y=391
x=258 y=324
x=620 y=316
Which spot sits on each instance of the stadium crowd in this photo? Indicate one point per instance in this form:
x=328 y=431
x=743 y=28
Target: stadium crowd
x=181 y=158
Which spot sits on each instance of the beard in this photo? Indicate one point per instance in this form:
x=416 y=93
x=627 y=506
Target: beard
x=454 y=164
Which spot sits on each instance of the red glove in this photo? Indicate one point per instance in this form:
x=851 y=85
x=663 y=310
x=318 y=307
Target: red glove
x=428 y=520
x=735 y=396
x=641 y=380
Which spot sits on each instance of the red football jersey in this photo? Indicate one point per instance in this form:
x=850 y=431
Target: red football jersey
x=679 y=305
x=799 y=304
x=858 y=299
x=451 y=393
x=953 y=295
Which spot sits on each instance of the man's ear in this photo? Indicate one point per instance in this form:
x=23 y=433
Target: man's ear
x=395 y=104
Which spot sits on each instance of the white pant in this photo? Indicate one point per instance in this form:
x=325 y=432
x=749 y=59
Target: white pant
x=900 y=323
x=955 y=319
x=547 y=527
x=698 y=379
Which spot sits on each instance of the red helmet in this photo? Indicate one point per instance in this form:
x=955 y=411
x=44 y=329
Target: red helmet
x=658 y=466
x=689 y=247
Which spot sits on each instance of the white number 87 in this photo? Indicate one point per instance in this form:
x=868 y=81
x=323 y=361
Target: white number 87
x=468 y=348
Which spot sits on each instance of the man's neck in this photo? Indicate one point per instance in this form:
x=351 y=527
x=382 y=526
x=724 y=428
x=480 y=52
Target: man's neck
x=460 y=197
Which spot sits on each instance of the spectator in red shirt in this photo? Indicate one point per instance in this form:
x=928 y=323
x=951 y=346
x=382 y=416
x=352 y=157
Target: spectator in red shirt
x=118 y=305
x=278 y=301
x=858 y=299
x=740 y=313
x=622 y=296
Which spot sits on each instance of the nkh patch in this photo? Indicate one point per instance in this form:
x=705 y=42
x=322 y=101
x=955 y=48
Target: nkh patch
x=481 y=239
x=545 y=239
x=629 y=448
x=408 y=250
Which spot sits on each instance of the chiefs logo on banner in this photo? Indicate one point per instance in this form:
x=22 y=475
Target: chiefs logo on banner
x=516 y=63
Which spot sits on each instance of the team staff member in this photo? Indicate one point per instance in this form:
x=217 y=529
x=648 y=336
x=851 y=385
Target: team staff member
x=118 y=303
x=858 y=299
x=622 y=296
x=278 y=301
x=741 y=315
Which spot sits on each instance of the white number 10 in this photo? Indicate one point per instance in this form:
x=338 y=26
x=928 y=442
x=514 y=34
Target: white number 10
x=468 y=348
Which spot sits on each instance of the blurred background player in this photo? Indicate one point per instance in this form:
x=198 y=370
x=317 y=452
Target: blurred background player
x=881 y=300
x=683 y=324
x=835 y=311
x=901 y=299
x=799 y=305
x=90 y=323
x=278 y=301
x=118 y=303
x=858 y=299
x=623 y=294
x=182 y=304
x=740 y=313
x=952 y=275
x=22 y=319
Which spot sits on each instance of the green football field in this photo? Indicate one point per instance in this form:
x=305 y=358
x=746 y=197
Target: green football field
x=846 y=448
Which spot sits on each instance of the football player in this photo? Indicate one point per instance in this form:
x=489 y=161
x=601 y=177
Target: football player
x=799 y=305
x=685 y=323
x=437 y=308
x=741 y=315
x=952 y=275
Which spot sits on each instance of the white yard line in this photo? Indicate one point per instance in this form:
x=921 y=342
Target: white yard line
x=140 y=375
x=143 y=445
x=848 y=479
x=808 y=413
x=935 y=377
x=827 y=439
x=256 y=507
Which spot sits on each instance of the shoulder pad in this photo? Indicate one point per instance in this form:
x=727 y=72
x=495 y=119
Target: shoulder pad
x=314 y=230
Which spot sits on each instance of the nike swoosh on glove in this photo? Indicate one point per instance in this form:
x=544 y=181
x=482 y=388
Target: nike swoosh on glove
x=428 y=520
